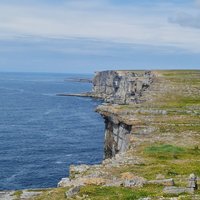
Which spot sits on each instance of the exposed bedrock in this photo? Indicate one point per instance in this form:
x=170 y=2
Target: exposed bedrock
x=121 y=87
x=117 y=137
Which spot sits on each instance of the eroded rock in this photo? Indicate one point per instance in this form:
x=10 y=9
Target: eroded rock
x=121 y=87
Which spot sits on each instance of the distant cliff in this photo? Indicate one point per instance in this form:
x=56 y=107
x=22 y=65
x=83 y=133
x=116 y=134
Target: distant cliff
x=121 y=87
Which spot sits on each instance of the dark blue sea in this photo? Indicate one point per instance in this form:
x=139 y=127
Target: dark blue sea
x=41 y=134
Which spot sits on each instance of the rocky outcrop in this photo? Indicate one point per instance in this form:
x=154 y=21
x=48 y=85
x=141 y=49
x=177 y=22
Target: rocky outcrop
x=117 y=134
x=116 y=137
x=121 y=87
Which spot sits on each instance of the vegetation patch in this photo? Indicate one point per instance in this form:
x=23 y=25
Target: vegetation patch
x=17 y=194
x=113 y=193
x=164 y=151
x=54 y=194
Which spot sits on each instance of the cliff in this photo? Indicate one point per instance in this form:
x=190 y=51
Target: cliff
x=118 y=87
x=121 y=87
x=152 y=139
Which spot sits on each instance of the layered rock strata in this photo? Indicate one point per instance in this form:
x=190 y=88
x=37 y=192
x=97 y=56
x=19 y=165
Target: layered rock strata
x=119 y=87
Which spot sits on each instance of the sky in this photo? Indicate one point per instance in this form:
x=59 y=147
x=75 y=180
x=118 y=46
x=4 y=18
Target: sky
x=83 y=36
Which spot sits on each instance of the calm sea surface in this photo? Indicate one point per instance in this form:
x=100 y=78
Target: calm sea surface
x=41 y=134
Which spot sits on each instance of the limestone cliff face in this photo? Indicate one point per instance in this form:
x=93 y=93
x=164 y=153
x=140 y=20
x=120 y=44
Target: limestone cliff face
x=121 y=87
x=117 y=137
x=118 y=130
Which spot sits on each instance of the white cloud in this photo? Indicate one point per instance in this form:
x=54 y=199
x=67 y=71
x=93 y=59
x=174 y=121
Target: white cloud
x=99 y=20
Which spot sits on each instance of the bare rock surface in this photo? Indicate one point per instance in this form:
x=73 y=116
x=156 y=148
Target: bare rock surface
x=121 y=87
x=7 y=195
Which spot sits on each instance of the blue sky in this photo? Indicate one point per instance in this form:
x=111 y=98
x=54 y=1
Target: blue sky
x=83 y=36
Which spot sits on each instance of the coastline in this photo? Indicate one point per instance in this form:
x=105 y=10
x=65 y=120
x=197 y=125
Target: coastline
x=152 y=119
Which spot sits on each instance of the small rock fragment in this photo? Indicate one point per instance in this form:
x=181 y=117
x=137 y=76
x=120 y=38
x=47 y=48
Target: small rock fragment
x=192 y=182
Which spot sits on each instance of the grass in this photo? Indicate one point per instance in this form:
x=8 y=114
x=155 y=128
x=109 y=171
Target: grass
x=54 y=194
x=173 y=160
x=180 y=102
x=166 y=159
x=104 y=193
x=17 y=194
x=164 y=149
x=113 y=193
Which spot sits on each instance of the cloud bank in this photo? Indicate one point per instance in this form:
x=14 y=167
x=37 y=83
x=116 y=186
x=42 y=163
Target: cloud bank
x=88 y=35
x=103 y=20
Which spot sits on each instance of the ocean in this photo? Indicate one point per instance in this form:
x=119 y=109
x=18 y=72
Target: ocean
x=41 y=134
